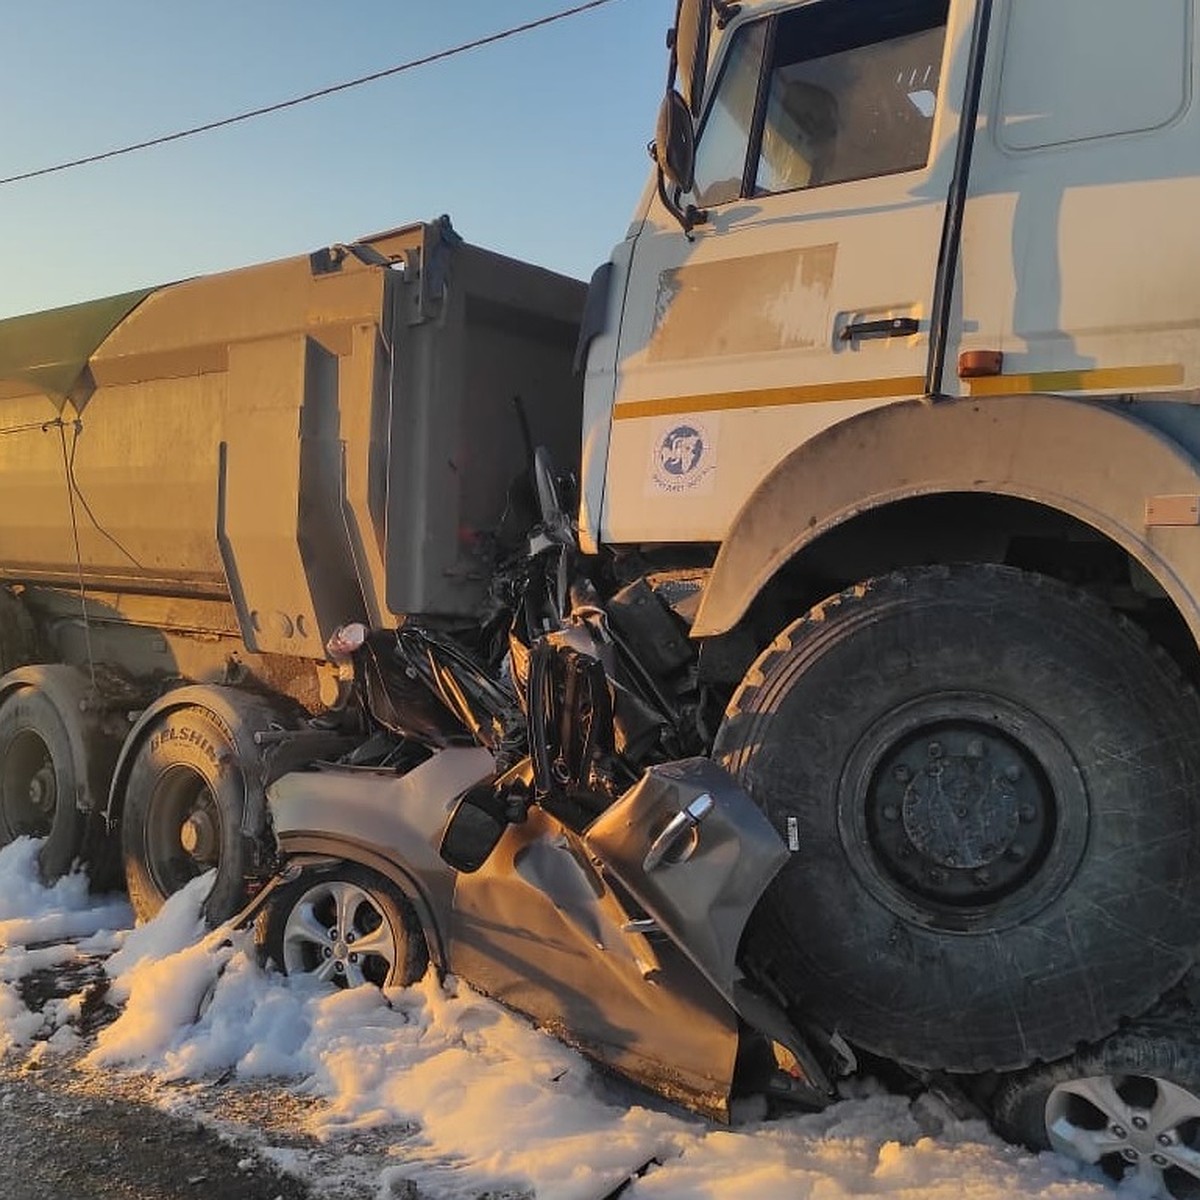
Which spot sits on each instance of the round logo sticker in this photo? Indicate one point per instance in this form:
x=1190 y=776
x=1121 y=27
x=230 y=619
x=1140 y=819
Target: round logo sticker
x=683 y=456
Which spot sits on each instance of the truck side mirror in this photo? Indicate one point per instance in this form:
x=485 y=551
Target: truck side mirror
x=693 y=24
x=675 y=142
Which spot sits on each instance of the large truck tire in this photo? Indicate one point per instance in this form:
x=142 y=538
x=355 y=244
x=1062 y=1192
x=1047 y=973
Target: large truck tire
x=185 y=800
x=38 y=780
x=990 y=783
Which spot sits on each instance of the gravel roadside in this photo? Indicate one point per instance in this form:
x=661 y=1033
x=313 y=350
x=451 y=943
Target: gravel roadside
x=61 y=1142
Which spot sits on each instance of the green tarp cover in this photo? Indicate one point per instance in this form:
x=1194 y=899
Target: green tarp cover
x=50 y=350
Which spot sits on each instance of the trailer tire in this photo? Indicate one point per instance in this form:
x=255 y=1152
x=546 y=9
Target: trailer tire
x=182 y=816
x=990 y=781
x=38 y=784
x=18 y=636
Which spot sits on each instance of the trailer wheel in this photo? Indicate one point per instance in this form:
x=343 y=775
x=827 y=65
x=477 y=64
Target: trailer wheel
x=182 y=815
x=990 y=782
x=37 y=780
x=1130 y=1106
x=346 y=926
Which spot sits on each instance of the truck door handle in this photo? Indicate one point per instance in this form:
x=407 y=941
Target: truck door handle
x=890 y=327
x=679 y=827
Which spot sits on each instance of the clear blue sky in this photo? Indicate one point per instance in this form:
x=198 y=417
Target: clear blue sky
x=534 y=146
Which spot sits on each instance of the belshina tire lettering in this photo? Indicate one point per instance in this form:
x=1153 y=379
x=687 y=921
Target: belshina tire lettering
x=994 y=781
x=183 y=813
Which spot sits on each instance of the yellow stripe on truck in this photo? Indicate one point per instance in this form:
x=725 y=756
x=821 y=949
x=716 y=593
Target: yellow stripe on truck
x=855 y=389
x=1156 y=375
x=1093 y=379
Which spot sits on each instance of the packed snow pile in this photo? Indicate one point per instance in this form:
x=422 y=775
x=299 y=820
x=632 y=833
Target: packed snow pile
x=476 y=1098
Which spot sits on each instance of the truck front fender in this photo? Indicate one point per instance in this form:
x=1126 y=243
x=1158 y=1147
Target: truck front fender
x=1097 y=461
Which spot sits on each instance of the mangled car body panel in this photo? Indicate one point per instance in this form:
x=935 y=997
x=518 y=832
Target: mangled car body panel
x=634 y=966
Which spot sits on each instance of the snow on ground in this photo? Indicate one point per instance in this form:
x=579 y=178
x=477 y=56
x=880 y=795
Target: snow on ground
x=471 y=1098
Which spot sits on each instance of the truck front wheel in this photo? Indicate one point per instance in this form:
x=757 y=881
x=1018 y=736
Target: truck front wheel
x=990 y=785
x=182 y=815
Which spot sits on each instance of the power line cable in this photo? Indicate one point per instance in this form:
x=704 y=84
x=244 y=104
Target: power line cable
x=252 y=113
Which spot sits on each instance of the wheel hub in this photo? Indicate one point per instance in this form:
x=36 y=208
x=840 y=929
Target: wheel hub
x=959 y=813
x=42 y=790
x=962 y=811
x=199 y=836
x=28 y=786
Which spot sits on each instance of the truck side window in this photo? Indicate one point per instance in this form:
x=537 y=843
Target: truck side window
x=852 y=92
x=725 y=136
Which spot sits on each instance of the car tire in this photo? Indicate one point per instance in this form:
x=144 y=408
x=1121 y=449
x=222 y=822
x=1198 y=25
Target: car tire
x=1130 y=1105
x=347 y=926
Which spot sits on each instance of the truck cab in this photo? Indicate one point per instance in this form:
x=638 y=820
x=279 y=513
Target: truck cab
x=853 y=241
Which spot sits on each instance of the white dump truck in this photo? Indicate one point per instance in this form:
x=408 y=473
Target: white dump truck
x=889 y=499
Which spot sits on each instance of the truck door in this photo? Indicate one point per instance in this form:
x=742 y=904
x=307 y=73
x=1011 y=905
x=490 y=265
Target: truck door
x=824 y=159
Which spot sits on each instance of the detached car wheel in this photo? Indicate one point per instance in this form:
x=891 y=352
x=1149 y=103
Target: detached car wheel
x=347 y=927
x=1130 y=1106
x=991 y=783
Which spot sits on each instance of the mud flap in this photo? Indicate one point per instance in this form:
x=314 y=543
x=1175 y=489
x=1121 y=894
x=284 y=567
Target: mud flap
x=692 y=849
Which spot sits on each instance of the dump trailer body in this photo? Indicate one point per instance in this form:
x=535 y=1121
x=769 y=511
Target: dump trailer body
x=285 y=447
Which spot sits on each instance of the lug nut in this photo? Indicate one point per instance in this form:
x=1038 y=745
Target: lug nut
x=339 y=966
x=1164 y=1139
x=960 y=810
x=1129 y=1154
x=354 y=958
x=1118 y=1131
x=935 y=749
x=349 y=938
x=327 y=952
x=1160 y=1160
x=1139 y=1122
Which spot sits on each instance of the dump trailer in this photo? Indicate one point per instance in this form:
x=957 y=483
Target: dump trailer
x=202 y=481
x=889 y=491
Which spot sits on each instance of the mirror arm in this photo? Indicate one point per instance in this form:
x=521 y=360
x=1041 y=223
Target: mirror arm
x=688 y=217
